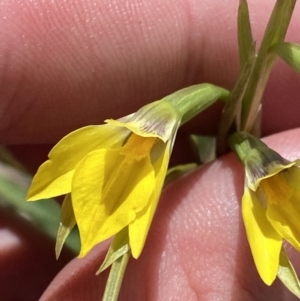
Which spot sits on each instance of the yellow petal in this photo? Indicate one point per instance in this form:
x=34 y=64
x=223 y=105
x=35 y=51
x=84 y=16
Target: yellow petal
x=157 y=119
x=49 y=182
x=55 y=175
x=139 y=228
x=107 y=192
x=264 y=242
x=283 y=210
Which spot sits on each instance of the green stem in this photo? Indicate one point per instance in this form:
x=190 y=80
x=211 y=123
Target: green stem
x=232 y=107
x=193 y=100
x=275 y=32
x=115 y=278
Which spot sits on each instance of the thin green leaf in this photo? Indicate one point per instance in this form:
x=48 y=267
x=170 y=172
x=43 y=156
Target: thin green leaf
x=245 y=39
x=43 y=215
x=7 y=158
x=290 y=53
x=204 y=147
x=178 y=171
x=287 y=274
x=275 y=33
x=117 y=249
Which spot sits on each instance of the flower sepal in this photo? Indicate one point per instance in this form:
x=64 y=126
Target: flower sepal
x=260 y=161
x=118 y=247
x=287 y=275
x=67 y=223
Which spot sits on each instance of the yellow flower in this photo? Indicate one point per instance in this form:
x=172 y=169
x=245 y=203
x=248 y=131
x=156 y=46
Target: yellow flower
x=270 y=204
x=114 y=172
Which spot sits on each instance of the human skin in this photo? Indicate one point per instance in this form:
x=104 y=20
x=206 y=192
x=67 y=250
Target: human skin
x=66 y=64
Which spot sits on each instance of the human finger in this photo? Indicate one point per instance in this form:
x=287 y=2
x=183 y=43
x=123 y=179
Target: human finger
x=68 y=64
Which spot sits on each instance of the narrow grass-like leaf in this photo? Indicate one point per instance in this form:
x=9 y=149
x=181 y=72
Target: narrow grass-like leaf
x=178 y=171
x=275 y=33
x=245 y=39
x=290 y=53
x=204 y=147
x=44 y=215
